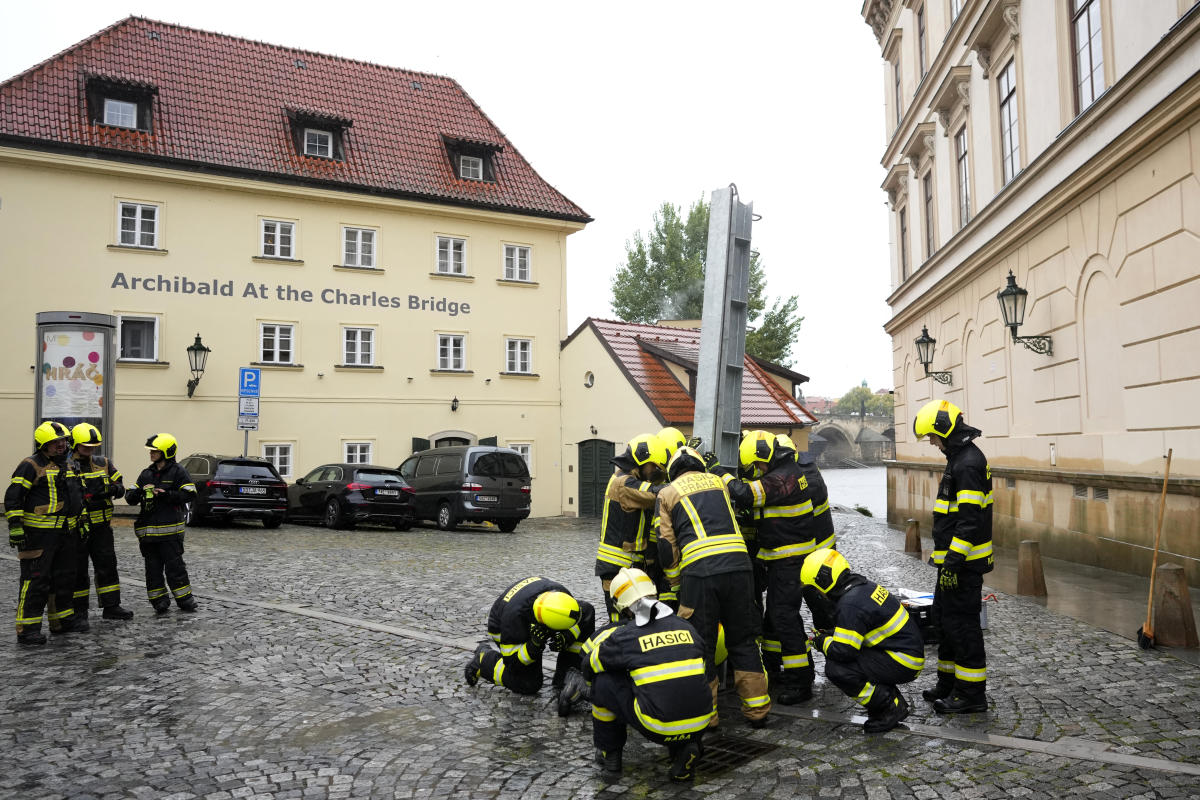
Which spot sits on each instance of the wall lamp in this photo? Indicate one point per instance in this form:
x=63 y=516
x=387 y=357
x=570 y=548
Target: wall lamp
x=1012 y=308
x=197 y=358
x=925 y=344
x=592 y=429
x=454 y=404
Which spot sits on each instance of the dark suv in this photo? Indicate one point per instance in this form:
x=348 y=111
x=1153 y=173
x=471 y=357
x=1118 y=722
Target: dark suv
x=472 y=483
x=235 y=486
x=341 y=495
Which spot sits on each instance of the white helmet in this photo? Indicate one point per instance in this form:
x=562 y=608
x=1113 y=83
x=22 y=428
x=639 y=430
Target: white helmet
x=629 y=586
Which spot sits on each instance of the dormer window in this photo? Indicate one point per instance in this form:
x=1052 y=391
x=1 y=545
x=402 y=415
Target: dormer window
x=120 y=113
x=318 y=143
x=471 y=159
x=470 y=168
x=319 y=135
x=120 y=102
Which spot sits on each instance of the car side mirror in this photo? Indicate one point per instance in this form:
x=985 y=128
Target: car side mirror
x=300 y=481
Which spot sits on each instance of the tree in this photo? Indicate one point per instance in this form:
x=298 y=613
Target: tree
x=860 y=399
x=663 y=278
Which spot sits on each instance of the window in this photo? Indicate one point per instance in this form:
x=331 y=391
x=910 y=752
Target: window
x=897 y=99
x=451 y=255
x=120 y=113
x=903 y=213
x=955 y=9
x=139 y=338
x=526 y=451
x=963 y=175
x=280 y=455
x=927 y=197
x=358 y=453
x=1010 y=148
x=922 y=63
x=452 y=351
x=276 y=343
x=1089 y=52
x=277 y=238
x=358 y=247
x=470 y=168
x=120 y=102
x=138 y=225
x=358 y=346
x=518 y=355
x=318 y=143
x=516 y=263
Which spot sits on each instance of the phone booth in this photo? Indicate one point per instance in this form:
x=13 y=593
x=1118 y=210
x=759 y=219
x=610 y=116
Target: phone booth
x=77 y=352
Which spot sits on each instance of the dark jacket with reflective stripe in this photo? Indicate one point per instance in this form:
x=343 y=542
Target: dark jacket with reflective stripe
x=697 y=533
x=625 y=524
x=512 y=615
x=665 y=659
x=164 y=514
x=794 y=516
x=43 y=494
x=101 y=483
x=868 y=615
x=962 y=512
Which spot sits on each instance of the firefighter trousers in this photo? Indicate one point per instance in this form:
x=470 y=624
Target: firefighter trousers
x=961 y=656
x=47 y=578
x=521 y=678
x=784 y=597
x=612 y=712
x=871 y=679
x=164 y=557
x=99 y=549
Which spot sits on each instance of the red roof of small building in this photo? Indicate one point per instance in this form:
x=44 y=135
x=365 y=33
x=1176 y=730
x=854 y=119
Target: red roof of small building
x=221 y=103
x=632 y=346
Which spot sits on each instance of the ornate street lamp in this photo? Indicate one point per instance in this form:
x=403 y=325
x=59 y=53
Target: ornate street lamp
x=925 y=344
x=1012 y=309
x=197 y=358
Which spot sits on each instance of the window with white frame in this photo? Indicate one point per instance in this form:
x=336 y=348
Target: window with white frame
x=922 y=53
x=452 y=351
x=902 y=215
x=897 y=91
x=470 y=168
x=318 y=143
x=518 y=355
x=281 y=456
x=526 y=451
x=516 y=262
x=138 y=338
x=120 y=113
x=277 y=238
x=956 y=7
x=1088 y=50
x=927 y=199
x=358 y=347
x=962 y=168
x=358 y=247
x=451 y=255
x=138 y=225
x=1010 y=147
x=276 y=340
x=358 y=452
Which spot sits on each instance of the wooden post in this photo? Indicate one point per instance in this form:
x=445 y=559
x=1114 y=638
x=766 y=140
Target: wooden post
x=1031 y=581
x=1174 y=622
x=912 y=537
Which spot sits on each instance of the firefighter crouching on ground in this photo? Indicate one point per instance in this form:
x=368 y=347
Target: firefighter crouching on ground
x=875 y=644
x=962 y=552
x=699 y=545
x=794 y=521
x=101 y=483
x=529 y=616
x=163 y=489
x=648 y=672
x=42 y=505
x=628 y=502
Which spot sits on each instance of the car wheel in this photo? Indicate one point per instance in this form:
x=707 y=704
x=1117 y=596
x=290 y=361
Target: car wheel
x=333 y=513
x=445 y=518
x=272 y=522
x=508 y=525
x=191 y=517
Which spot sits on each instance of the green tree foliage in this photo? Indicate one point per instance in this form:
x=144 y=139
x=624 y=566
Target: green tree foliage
x=860 y=397
x=663 y=278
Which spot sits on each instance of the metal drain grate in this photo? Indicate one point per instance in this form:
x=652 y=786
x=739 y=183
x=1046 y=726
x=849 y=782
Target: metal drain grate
x=726 y=752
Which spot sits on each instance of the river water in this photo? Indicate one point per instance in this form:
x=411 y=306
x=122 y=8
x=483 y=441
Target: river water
x=859 y=487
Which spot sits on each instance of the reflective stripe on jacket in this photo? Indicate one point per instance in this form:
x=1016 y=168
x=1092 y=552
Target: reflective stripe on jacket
x=164 y=514
x=868 y=615
x=962 y=512
x=624 y=524
x=697 y=531
x=43 y=494
x=793 y=505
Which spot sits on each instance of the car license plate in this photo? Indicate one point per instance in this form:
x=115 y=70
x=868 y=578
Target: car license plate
x=388 y=492
x=254 y=490
x=486 y=498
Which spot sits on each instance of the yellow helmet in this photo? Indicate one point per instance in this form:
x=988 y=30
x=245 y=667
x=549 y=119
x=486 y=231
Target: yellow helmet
x=822 y=568
x=86 y=433
x=672 y=439
x=647 y=448
x=557 y=610
x=756 y=447
x=49 y=431
x=722 y=652
x=936 y=416
x=686 y=459
x=164 y=443
x=784 y=442
x=629 y=586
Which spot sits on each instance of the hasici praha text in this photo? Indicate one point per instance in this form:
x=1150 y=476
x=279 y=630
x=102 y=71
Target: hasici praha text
x=287 y=293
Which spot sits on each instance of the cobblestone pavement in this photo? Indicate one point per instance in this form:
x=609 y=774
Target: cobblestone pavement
x=327 y=664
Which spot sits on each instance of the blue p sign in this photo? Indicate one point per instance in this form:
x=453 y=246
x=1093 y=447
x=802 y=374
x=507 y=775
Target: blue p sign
x=249 y=380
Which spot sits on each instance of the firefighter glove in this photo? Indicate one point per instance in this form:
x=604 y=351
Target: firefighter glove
x=538 y=635
x=84 y=528
x=16 y=538
x=819 y=638
x=559 y=642
x=711 y=460
x=148 y=492
x=953 y=561
x=695 y=443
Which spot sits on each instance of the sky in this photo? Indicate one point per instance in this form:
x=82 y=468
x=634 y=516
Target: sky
x=623 y=106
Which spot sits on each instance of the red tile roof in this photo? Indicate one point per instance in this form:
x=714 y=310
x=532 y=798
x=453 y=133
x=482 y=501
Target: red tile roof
x=764 y=402
x=222 y=103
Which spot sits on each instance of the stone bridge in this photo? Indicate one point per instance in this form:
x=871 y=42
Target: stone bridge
x=838 y=437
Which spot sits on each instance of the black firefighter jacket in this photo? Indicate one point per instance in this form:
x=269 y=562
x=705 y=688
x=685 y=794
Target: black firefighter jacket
x=43 y=494
x=962 y=512
x=868 y=615
x=697 y=532
x=162 y=514
x=793 y=509
x=512 y=615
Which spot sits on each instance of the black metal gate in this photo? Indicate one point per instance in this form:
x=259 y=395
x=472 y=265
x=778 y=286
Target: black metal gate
x=594 y=472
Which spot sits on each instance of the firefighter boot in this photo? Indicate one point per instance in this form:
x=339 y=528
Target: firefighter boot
x=187 y=604
x=116 y=612
x=574 y=688
x=471 y=670
x=31 y=636
x=942 y=689
x=887 y=715
x=161 y=606
x=72 y=624
x=609 y=762
x=793 y=690
x=684 y=756
x=961 y=704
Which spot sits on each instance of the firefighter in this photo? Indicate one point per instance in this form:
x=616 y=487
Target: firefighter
x=529 y=616
x=962 y=552
x=163 y=490
x=700 y=547
x=874 y=645
x=794 y=521
x=43 y=504
x=101 y=483
x=628 y=503
x=647 y=671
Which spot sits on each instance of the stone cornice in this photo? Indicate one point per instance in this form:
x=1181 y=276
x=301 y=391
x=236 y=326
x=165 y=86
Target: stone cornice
x=999 y=17
x=892 y=44
x=953 y=93
x=877 y=14
x=896 y=184
x=919 y=146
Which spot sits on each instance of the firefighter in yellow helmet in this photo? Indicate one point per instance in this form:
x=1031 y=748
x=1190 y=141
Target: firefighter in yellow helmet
x=672 y=439
x=102 y=481
x=43 y=504
x=648 y=672
x=874 y=645
x=529 y=616
x=163 y=490
x=962 y=552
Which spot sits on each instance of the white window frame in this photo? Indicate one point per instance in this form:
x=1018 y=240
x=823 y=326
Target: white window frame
x=922 y=48
x=281 y=455
x=453 y=245
x=962 y=171
x=352 y=452
x=452 y=354
x=929 y=211
x=513 y=355
x=470 y=168
x=514 y=270
x=141 y=225
x=526 y=451
x=277 y=329
x=318 y=144
x=1093 y=82
x=117 y=113
x=122 y=318
x=358 y=247
x=279 y=229
x=902 y=223
x=358 y=345
x=1010 y=124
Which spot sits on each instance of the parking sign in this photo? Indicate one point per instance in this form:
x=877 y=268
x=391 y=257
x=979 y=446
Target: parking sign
x=249 y=380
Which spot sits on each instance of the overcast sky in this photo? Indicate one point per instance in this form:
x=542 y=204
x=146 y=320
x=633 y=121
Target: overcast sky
x=625 y=105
